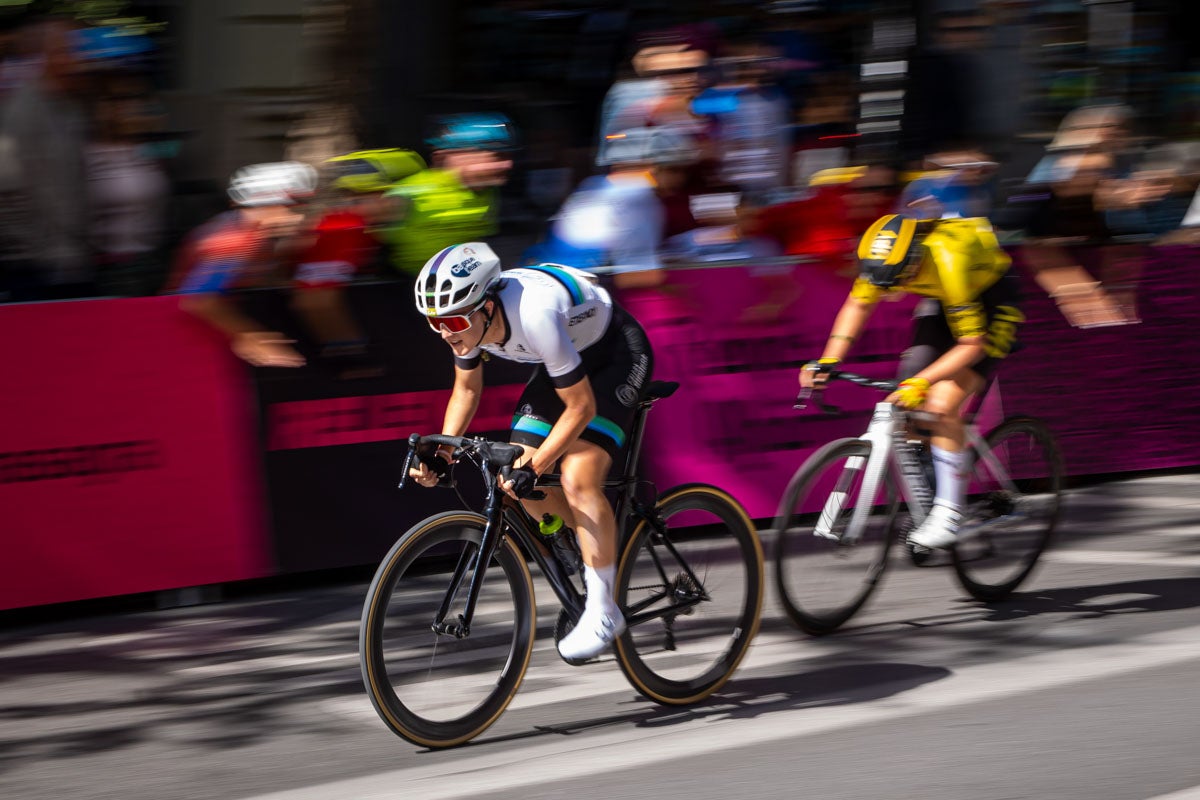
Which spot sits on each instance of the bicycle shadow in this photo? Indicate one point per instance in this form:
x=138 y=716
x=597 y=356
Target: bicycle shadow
x=752 y=697
x=1145 y=596
x=1071 y=603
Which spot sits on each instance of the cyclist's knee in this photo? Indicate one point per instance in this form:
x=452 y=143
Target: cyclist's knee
x=581 y=487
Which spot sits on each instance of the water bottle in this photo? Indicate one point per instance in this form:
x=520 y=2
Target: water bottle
x=561 y=541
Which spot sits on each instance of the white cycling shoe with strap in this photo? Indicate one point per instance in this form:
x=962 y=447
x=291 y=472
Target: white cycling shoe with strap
x=939 y=531
x=598 y=627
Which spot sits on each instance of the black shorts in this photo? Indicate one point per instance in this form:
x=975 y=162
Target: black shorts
x=932 y=337
x=618 y=366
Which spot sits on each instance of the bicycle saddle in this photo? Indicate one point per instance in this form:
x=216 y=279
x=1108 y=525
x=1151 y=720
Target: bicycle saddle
x=657 y=390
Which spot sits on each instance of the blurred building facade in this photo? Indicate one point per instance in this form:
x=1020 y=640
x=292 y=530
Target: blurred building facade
x=256 y=80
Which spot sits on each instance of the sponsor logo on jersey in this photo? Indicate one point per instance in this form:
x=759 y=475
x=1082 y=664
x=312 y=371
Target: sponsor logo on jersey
x=581 y=316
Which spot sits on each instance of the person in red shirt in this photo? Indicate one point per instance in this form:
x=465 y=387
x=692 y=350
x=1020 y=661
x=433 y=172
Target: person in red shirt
x=242 y=248
x=825 y=226
x=341 y=245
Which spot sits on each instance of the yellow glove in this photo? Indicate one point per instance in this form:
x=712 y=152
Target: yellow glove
x=911 y=393
x=822 y=365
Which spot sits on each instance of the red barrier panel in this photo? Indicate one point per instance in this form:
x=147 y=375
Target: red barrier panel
x=127 y=454
x=131 y=459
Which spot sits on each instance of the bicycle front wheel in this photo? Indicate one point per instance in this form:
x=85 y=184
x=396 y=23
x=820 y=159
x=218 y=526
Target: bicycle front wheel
x=440 y=690
x=690 y=585
x=1013 y=502
x=825 y=573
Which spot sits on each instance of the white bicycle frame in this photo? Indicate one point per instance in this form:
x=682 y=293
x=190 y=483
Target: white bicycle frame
x=890 y=448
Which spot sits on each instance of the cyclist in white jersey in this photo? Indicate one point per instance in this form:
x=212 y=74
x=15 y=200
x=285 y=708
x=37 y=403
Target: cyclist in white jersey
x=575 y=412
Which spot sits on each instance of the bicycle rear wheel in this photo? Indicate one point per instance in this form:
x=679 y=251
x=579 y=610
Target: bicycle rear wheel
x=1013 y=502
x=435 y=689
x=691 y=591
x=823 y=580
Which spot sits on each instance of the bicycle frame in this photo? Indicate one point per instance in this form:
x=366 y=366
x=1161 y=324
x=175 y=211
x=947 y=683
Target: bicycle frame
x=506 y=515
x=890 y=449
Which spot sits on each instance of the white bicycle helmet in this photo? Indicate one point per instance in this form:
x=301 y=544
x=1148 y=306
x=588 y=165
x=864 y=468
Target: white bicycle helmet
x=457 y=279
x=278 y=183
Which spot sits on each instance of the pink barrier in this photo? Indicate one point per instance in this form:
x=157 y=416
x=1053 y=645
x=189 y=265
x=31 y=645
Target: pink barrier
x=1118 y=398
x=731 y=423
x=127 y=454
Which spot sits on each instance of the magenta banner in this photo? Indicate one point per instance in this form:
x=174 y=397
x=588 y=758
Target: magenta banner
x=128 y=460
x=1118 y=397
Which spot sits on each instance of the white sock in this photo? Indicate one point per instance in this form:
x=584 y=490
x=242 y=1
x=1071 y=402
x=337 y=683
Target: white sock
x=599 y=583
x=951 y=488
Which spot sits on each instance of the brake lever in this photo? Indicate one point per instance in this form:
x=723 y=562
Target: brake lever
x=803 y=397
x=413 y=441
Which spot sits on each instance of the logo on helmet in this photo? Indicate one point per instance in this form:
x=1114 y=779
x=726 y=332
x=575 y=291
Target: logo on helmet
x=465 y=267
x=882 y=245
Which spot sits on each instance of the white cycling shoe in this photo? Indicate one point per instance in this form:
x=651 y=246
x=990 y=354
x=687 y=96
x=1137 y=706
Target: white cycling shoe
x=939 y=531
x=598 y=628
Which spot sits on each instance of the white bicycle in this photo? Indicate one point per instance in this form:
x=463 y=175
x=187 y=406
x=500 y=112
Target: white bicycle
x=841 y=512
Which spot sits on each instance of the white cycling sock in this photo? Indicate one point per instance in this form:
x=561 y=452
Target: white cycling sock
x=599 y=583
x=951 y=486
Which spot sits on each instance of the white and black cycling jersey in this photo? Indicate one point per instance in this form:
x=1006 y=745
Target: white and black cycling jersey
x=552 y=313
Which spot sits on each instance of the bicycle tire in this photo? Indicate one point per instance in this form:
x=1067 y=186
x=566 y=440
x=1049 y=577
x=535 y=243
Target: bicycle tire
x=404 y=596
x=989 y=572
x=816 y=603
x=717 y=542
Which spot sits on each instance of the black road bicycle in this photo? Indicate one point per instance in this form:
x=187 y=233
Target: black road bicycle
x=448 y=628
x=841 y=511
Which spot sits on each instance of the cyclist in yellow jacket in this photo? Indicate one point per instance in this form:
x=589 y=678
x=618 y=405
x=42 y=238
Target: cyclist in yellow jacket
x=457 y=198
x=965 y=325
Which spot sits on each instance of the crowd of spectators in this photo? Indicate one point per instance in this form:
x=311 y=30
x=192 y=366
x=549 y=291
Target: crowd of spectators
x=708 y=148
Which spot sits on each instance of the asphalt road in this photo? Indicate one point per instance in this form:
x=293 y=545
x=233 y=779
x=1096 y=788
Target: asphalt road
x=1086 y=685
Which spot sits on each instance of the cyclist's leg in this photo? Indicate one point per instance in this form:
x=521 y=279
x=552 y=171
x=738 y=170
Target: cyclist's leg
x=584 y=468
x=618 y=373
x=947 y=399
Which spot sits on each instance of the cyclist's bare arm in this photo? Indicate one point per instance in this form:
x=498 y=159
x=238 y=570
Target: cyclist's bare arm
x=246 y=338
x=847 y=327
x=580 y=404
x=460 y=410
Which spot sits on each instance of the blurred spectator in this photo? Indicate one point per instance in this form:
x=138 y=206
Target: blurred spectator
x=822 y=228
x=957 y=184
x=43 y=181
x=1154 y=198
x=752 y=115
x=456 y=199
x=246 y=247
x=827 y=223
x=666 y=78
x=1063 y=210
x=618 y=220
x=343 y=244
x=127 y=188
